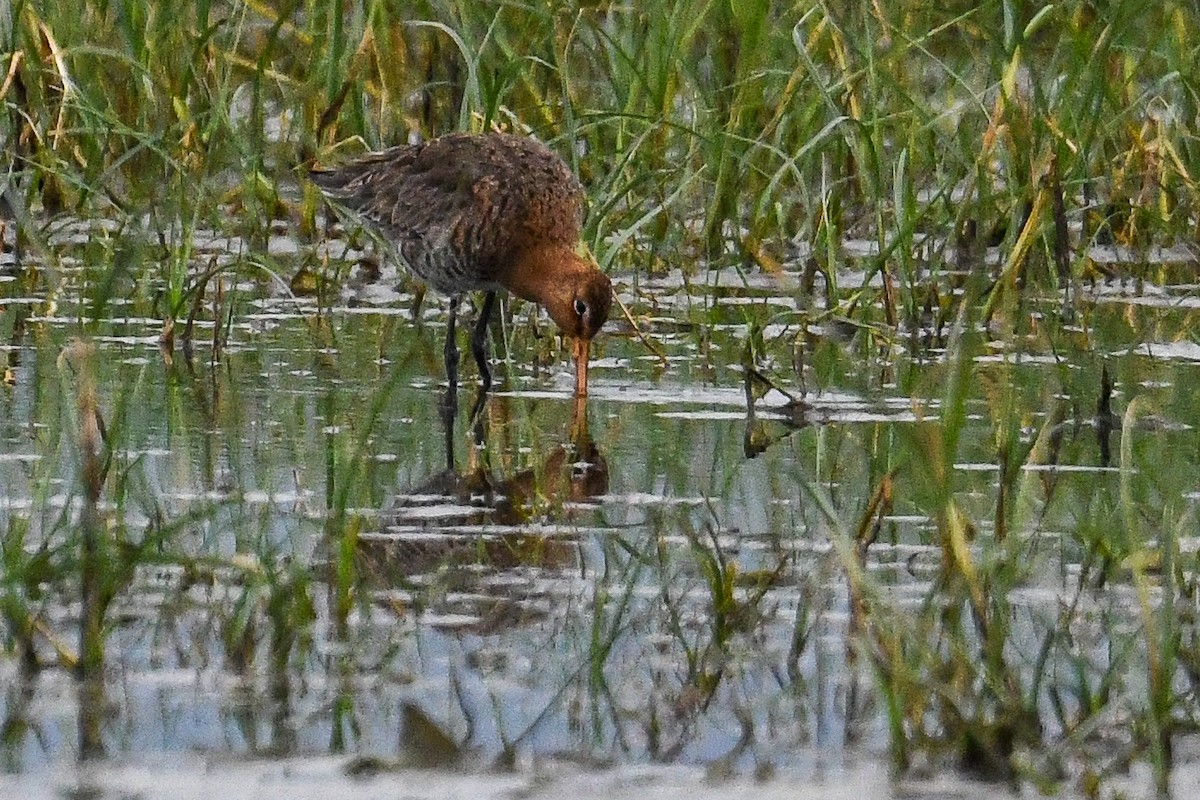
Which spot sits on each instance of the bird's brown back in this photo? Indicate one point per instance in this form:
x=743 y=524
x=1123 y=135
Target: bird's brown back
x=460 y=209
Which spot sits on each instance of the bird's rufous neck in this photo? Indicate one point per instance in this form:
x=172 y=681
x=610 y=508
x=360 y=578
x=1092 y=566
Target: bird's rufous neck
x=546 y=274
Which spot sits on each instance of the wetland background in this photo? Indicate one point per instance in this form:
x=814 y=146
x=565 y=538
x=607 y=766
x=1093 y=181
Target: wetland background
x=890 y=468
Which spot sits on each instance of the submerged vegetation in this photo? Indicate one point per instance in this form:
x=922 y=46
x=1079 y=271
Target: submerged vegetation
x=977 y=221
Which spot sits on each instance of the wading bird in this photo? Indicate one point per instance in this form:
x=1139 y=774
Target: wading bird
x=482 y=213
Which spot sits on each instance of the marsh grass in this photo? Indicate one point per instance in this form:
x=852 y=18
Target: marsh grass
x=730 y=128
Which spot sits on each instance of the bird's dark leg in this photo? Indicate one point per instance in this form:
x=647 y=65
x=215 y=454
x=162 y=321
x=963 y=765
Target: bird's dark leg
x=450 y=401
x=452 y=344
x=479 y=349
x=479 y=340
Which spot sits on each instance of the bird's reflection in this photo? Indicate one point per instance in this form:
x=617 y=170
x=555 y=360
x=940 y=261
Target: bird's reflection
x=463 y=526
x=572 y=472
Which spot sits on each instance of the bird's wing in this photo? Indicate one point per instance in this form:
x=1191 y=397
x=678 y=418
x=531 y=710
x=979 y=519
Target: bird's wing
x=417 y=199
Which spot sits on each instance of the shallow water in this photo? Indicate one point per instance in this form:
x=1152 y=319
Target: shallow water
x=551 y=599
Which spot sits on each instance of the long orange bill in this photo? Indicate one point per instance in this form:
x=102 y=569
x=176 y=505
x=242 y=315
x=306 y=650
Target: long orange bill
x=581 y=347
x=579 y=424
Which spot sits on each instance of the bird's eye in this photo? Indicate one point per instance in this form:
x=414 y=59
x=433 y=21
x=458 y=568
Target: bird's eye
x=580 y=308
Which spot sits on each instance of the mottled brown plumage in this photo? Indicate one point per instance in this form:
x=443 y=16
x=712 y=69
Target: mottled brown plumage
x=483 y=212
